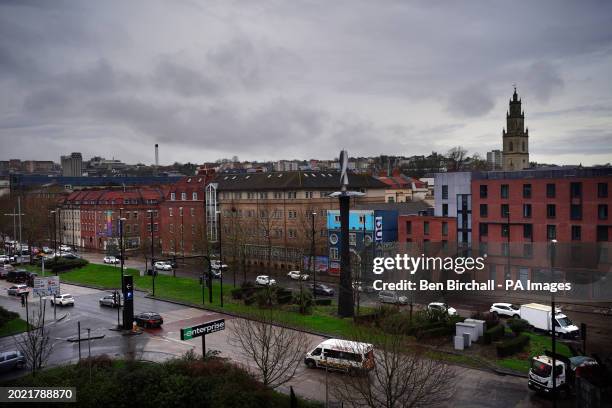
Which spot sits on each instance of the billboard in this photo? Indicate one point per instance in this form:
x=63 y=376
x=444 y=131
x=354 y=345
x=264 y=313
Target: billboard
x=321 y=263
x=189 y=333
x=48 y=286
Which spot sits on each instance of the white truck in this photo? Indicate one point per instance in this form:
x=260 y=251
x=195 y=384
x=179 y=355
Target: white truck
x=539 y=317
x=567 y=369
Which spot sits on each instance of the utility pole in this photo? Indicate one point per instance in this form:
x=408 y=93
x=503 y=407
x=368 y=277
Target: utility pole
x=152 y=250
x=552 y=324
x=220 y=256
x=15 y=214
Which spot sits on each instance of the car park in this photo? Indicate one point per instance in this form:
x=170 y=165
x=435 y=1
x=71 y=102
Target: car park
x=149 y=319
x=505 y=309
x=388 y=296
x=442 y=307
x=111 y=260
x=10 y=360
x=321 y=289
x=265 y=280
x=111 y=300
x=17 y=290
x=63 y=300
x=163 y=266
x=297 y=275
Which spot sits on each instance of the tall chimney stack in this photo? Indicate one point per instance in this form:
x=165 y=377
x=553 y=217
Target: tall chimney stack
x=156 y=155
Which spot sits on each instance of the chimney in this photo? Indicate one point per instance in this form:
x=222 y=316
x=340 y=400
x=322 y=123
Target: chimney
x=156 y=155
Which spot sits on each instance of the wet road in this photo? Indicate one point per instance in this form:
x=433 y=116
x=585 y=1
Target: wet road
x=475 y=388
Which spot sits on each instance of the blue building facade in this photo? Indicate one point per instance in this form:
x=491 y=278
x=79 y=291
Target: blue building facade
x=368 y=230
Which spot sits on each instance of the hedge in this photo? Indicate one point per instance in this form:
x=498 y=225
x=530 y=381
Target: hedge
x=323 y=302
x=514 y=345
x=493 y=334
x=435 y=332
x=60 y=264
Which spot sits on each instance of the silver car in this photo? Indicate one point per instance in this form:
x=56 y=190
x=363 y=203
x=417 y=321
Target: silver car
x=110 y=301
x=387 y=296
x=10 y=360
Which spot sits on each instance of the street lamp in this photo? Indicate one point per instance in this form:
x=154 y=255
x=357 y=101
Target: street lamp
x=312 y=256
x=152 y=250
x=182 y=234
x=121 y=221
x=552 y=323
x=220 y=254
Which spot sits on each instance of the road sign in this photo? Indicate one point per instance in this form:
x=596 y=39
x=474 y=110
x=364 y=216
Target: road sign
x=48 y=286
x=202 y=329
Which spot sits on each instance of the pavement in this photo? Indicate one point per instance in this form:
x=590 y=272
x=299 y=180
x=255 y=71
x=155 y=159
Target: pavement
x=475 y=388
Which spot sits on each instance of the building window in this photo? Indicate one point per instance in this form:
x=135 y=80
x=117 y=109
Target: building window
x=192 y=212
x=426 y=227
x=550 y=191
x=352 y=239
x=155 y=227
x=505 y=230
x=334 y=254
x=527 y=230
x=170 y=211
x=505 y=210
x=180 y=211
x=171 y=227
x=172 y=196
x=292 y=214
x=408 y=227
x=526 y=190
x=444 y=228
x=576 y=212
x=551 y=211
x=602 y=190
x=505 y=190
x=278 y=195
x=309 y=194
x=445 y=210
x=483 y=229
x=194 y=196
x=263 y=195
x=484 y=191
x=576 y=232
x=511 y=146
x=551 y=232
x=291 y=194
x=444 y=192
x=602 y=211
x=484 y=210
x=576 y=190
x=526 y=210
x=602 y=233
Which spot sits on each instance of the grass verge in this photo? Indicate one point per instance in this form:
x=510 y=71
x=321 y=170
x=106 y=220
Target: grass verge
x=538 y=343
x=13 y=326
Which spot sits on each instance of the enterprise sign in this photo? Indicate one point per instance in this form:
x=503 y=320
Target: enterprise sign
x=202 y=329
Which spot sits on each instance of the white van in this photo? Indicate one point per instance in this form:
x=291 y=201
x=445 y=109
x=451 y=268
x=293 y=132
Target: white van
x=341 y=355
x=539 y=316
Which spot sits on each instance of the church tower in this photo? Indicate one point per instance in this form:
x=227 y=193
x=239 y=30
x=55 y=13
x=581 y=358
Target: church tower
x=516 y=138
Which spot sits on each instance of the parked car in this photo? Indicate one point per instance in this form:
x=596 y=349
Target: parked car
x=216 y=264
x=5 y=269
x=363 y=287
x=63 y=300
x=18 y=276
x=442 y=307
x=216 y=274
x=10 y=360
x=65 y=248
x=111 y=260
x=388 y=296
x=149 y=319
x=506 y=309
x=5 y=259
x=321 y=289
x=70 y=255
x=111 y=300
x=297 y=275
x=163 y=266
x=265 y=280
x=17 y=290
x=47 y=250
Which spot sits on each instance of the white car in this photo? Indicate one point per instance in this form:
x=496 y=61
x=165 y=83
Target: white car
x=216 y=264
x=111 y=260
x=442 y=307
x=297 y=275
x=163 y=266
x=5 y=259
x=265 y=280
x=65 y=248
x=506 y=309
x=63 y=300
x=17 y=290
x=388 y=296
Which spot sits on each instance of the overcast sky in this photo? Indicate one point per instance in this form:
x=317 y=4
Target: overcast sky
x=289 y=79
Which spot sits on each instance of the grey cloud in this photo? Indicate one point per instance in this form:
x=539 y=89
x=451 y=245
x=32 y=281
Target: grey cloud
x=543 y=80
x=472 y=101
x=587 y=141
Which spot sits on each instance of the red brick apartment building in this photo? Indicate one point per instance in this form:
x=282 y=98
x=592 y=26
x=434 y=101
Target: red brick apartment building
x=182 y=217
x=421 y=228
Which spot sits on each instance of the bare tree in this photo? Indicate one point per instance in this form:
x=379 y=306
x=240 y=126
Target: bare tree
x=276 y=351
x=400 y=378
x=455 y=158
x=35 y=344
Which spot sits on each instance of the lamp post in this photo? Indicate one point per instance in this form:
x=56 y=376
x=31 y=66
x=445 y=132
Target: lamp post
x=552 y=324
x=220 y=255
x=313 y=267
x=121 y=221
x=182 y=234
x=152 y=250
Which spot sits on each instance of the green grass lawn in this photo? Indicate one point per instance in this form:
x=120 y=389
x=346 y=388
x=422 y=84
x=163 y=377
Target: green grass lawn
x=538 y=343
x=13 y=327
x=189 y=290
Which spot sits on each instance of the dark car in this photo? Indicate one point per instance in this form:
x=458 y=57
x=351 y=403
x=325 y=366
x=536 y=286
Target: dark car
x=321 y=289
x=149 y=319
x=19 y=276
x=10 y=360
